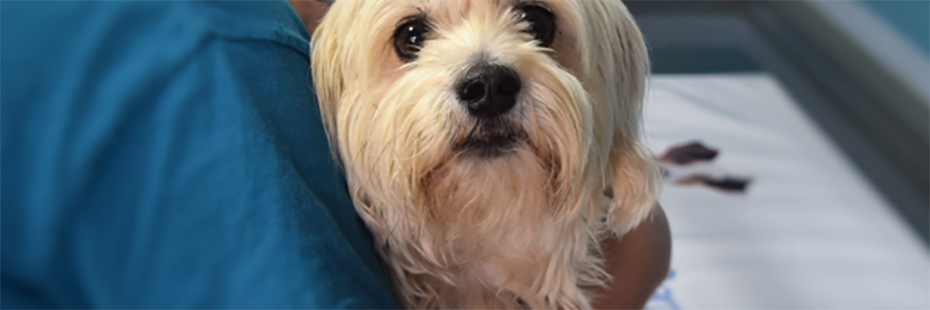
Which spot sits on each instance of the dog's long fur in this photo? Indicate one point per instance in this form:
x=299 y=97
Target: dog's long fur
x=514 y=231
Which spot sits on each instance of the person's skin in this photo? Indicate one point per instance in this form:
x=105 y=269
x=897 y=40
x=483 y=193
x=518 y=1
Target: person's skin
x=638 y=262
x=310 y=12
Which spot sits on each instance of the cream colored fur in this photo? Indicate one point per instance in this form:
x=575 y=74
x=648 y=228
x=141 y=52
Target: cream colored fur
x=520 y=230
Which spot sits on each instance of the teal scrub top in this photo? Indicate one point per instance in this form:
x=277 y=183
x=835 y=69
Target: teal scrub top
x=170 y=154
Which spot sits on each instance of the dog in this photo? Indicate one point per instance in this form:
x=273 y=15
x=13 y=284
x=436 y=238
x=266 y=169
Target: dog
x=489 y=145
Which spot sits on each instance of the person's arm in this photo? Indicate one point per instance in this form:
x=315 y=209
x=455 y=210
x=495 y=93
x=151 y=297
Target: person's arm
x=638 y=263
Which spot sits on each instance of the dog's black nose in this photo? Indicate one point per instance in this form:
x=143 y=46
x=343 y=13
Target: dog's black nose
x=489 y=90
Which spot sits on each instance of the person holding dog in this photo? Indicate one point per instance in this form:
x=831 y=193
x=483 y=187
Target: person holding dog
x=171 y=155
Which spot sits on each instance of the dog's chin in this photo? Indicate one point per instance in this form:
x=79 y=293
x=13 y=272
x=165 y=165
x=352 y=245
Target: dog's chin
x=490 y=146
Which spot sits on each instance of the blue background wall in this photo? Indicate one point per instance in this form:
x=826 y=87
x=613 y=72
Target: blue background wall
x=910 y=18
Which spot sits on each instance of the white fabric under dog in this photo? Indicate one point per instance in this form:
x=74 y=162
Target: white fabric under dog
x=809 y=232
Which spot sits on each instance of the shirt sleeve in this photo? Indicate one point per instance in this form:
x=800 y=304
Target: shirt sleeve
x=171 y=155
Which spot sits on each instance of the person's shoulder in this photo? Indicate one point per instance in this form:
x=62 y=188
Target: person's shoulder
x=272 y=21
x=47 y=27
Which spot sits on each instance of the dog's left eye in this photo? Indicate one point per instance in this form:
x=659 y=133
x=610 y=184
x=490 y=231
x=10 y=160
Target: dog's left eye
x=542 y=23
x=409 y=39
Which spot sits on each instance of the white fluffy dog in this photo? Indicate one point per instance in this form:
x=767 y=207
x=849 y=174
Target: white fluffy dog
x=490 y=145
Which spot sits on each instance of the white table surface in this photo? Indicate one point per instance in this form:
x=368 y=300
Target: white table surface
x=810 y=232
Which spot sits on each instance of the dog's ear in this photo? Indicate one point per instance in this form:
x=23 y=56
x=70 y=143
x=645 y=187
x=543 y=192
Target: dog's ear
x=634 y=187
x=622 y=64
x=326 y=68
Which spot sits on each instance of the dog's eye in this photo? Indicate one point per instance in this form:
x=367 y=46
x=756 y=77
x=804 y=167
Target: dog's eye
x=541 y=21
x=409 y=38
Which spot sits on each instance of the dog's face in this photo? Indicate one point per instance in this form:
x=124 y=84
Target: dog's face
x=435 y=105
x=471 y=126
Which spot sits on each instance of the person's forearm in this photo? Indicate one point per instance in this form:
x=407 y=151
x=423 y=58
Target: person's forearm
x=638 y=263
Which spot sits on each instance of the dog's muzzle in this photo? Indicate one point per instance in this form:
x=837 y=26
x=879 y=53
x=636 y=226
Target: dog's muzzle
x=489 y=92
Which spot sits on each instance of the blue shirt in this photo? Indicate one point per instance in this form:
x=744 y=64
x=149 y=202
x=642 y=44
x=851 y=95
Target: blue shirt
x=170 y=155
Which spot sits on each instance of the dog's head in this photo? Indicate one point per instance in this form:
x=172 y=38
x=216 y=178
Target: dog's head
x=432 y=105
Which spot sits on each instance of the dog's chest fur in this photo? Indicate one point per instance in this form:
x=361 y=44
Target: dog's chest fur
x=495 y=234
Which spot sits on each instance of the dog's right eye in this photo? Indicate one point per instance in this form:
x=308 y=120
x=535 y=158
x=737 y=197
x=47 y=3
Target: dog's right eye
x=541 y=23
x=409 y=39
